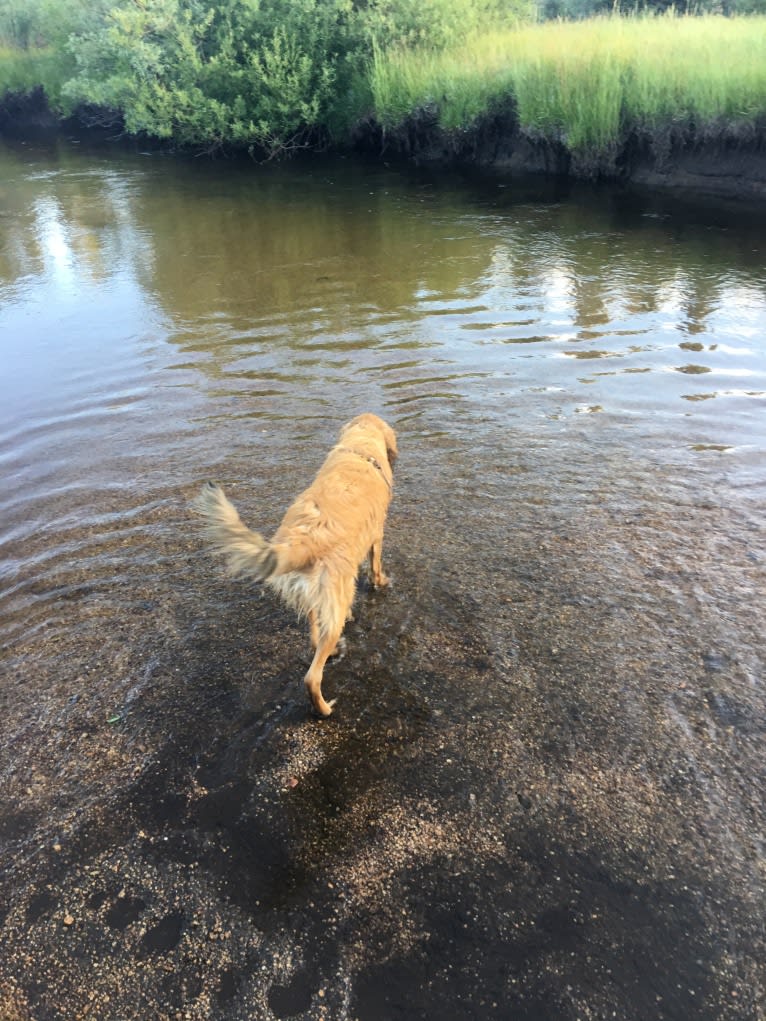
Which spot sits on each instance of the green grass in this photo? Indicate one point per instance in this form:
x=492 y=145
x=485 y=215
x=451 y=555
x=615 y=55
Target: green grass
x=584 y=83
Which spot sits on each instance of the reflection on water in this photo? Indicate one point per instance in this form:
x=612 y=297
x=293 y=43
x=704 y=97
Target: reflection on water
x=259 y=276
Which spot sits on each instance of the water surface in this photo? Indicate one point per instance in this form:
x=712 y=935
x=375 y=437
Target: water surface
x=541 y=795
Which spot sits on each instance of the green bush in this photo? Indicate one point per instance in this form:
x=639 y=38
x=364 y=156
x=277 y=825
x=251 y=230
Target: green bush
x=437 y=24
x=243 y=73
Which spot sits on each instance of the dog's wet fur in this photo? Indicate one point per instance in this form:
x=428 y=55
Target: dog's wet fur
x=313 y=559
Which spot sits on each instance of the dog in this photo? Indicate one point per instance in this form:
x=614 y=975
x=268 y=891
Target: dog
x=313 y=560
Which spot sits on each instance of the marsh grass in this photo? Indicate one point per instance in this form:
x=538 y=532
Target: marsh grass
x=585 y=83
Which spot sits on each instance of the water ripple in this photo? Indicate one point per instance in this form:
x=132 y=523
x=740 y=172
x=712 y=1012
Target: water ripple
x=152 y=339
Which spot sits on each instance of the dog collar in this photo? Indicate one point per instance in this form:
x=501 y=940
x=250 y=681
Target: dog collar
x=370 y=460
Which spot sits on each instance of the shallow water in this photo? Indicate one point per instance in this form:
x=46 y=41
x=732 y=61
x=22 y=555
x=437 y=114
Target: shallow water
x=543 y=782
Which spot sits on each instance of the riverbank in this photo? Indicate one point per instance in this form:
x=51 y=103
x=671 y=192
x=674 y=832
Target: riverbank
x=726 y=162
x=649 y=100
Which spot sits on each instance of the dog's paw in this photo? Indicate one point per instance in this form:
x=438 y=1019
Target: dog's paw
x=325 y=709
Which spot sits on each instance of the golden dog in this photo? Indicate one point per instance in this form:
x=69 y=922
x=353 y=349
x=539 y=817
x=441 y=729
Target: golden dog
x=313 y=560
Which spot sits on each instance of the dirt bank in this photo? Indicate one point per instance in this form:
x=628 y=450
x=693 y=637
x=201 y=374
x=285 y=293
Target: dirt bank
x=721 y=160
x=27 y=111
x=24 y=114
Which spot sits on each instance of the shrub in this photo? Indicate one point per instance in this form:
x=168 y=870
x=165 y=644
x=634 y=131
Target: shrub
x=243 y=73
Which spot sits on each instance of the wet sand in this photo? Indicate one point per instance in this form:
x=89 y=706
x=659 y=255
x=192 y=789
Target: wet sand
x=541 y=795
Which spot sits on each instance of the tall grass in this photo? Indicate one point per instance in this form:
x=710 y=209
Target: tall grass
x=584 y=82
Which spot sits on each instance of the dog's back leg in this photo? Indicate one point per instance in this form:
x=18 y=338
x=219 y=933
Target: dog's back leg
x=327 y=619
x=326 y=645
x=314 y=626
x=339 y=649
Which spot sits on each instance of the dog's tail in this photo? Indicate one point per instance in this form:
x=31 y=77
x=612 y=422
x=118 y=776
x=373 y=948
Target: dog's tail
x=246 y=551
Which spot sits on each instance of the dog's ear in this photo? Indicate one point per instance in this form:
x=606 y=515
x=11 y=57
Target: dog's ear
x=348 y=425
x=392 y=451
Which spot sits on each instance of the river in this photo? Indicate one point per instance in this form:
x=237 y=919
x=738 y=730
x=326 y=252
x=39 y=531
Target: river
x=541 y=796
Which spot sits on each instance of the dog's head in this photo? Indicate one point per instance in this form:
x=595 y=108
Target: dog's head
x=374 y=427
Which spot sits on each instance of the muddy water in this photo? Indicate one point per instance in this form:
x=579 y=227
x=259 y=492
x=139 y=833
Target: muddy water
x=542 y=793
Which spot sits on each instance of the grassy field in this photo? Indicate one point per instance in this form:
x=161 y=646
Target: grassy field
x=585 y=83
